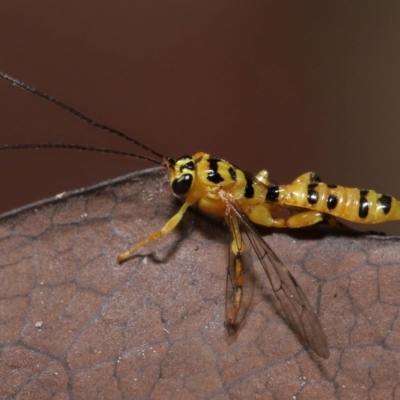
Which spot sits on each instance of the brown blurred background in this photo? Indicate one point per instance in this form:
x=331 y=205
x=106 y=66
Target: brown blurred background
x=287 y=86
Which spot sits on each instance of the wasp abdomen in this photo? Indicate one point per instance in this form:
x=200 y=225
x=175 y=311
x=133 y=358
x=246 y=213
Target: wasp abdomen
x=357 y=205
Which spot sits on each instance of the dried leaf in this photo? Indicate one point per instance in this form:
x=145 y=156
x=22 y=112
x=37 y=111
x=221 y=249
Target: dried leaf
x=75 y=323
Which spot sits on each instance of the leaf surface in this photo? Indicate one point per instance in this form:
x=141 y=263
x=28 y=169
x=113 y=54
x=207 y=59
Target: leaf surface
x=74 y=323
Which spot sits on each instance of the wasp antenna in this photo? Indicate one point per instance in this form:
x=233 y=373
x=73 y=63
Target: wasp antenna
x=66 y=146
x=78 y=114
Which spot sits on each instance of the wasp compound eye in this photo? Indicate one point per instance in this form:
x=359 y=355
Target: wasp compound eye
x=182 y=185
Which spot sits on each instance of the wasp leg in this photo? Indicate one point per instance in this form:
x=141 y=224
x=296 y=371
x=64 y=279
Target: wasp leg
x=198 y=155
x=262 y=176
x=305 y=218
x=261 y=215
x=307 y=178
x=237 y=248
x=333 y=222
x=169 y=226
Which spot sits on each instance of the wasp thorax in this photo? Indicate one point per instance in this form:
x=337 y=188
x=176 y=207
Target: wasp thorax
x=182 y=175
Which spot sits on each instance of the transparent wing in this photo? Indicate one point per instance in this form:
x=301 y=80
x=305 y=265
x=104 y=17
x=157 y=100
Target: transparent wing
x=294 y=302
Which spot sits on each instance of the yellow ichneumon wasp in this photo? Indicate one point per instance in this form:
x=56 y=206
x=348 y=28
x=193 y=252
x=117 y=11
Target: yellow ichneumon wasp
x=223 y=190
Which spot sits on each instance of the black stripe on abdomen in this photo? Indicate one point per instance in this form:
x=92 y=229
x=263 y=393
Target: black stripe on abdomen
x=385 y=202
x=312 y=195
x=332 y=202
x=363 y=208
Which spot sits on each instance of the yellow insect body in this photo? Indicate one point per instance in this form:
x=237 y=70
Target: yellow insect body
x=223 y=190
x=212 y=183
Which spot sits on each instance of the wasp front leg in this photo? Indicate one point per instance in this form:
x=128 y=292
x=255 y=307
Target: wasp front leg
x=169 y=226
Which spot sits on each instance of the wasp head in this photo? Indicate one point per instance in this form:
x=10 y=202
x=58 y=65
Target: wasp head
x=181 y=174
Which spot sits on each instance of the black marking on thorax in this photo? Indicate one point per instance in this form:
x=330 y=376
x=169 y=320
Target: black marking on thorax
x=312 y=196
x=364 y=204
x=249 y=189
x=232 y=173
x=386 y=203
x=213 y=175
x=272 y=194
